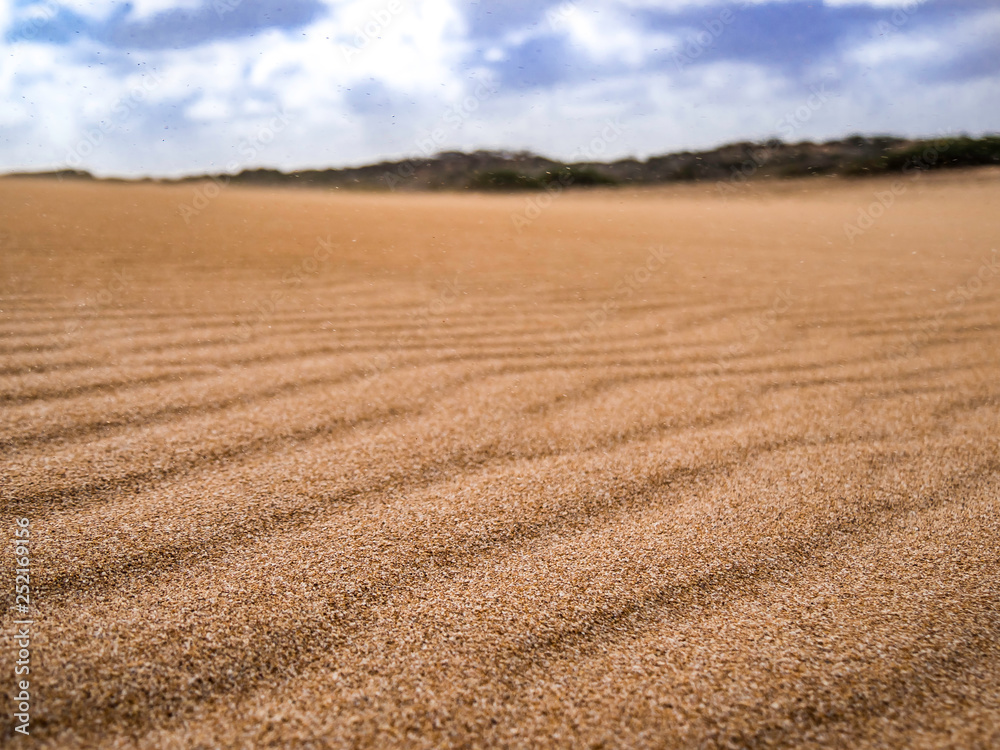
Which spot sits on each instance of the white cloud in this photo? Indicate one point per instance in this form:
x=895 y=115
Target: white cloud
x=612 y=36
x=891 y=45
x=210 y=108
x=892 y=49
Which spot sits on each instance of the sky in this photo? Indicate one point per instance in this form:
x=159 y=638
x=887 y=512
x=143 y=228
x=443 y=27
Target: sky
x=173 y=87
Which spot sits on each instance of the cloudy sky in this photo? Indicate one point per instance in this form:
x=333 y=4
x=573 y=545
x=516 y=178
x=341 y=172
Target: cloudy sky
x=171 y=87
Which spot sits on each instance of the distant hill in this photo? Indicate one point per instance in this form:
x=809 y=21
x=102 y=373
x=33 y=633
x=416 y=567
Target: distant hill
x=736 y=162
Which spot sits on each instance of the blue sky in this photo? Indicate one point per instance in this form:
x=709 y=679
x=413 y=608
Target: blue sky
x=172 y=87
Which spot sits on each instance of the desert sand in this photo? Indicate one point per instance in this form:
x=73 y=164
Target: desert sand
x=673 y=468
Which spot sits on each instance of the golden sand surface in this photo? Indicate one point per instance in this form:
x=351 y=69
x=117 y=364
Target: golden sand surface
x=666 y=468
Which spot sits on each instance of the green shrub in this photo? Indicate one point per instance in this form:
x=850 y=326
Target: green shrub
x=582 y=176
x=934 y=154
x=504 y=179
x=509 y=179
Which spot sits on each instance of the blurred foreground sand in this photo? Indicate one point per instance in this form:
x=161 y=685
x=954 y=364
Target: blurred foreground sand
x=659 y=469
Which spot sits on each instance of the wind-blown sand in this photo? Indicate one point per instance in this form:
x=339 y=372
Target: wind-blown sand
x=437 y=482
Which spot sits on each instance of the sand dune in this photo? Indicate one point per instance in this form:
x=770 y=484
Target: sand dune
x=663 y=468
